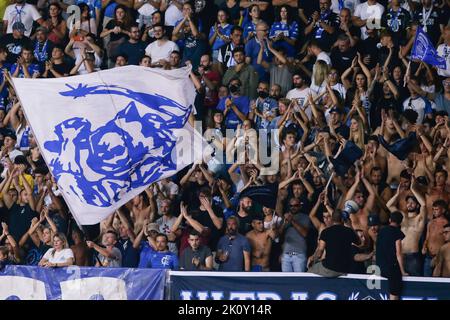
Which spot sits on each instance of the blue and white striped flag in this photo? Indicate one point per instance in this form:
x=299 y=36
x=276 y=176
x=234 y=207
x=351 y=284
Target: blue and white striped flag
x=107 y=135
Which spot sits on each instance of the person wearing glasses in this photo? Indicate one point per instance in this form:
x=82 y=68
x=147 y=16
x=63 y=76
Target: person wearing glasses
x=295 y=228
x=159 y=51
x=253 y=47
x=442 y=261
x=134 y=48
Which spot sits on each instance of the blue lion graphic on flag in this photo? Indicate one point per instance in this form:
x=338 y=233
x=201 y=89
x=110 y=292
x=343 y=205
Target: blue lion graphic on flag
x=118 y=160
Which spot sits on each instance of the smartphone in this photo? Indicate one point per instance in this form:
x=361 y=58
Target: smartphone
x=78 y=37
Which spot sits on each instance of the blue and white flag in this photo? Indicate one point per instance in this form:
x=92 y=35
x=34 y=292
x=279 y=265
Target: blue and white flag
x=107 y=135
x=423 y=50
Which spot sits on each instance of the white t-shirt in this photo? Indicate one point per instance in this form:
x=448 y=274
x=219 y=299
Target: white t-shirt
x=443 y=50
x=82 y=69
x=301 y=96
x=157 y=52
x=372 y=12
x=172 y=16
x=341 y=89
x=25 y=14
x=349 y=4
x=59 y=256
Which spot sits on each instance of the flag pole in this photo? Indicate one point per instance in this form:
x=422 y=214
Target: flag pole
x=408 y=69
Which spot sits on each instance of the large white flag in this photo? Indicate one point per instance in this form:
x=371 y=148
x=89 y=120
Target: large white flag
x=107 y=135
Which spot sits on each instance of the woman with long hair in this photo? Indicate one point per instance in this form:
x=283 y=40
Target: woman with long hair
x=254 y=16
x=362 y=86
x=320 y=74
x=219 y=34
x=85 y=25
x=60 y=255
x=118 y=29
x=357 y=132
x=284 y=31
x=56 y=25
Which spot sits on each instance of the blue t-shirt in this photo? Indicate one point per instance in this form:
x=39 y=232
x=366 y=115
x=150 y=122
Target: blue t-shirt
x=218 y=43
x=231 y=119
x=249 y=27
x=130 y=255
x=149 y=258
x=4 y=92
x=265 y=106
x=252 y=50
x=32 y=68
x=289 y=31
x=93 y=4
x=235 y=248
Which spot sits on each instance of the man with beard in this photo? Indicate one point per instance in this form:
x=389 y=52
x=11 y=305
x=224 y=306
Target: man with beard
x=246 y=74
x=160 y=50
x=244 y=215
x=134 y=48
x=295 y=227
x=412 y=226
x=233 y=249
x=300 y=91
x=383 y=193
x=261 y=244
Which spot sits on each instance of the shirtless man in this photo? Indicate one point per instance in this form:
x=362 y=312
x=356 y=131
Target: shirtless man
x=435 y=239
x=140 y=210
x=404 y=190
x=288 y=149
x=374 y=158
x=412 y=226
x=382 y=193
x=442 y=262
x=261 y=244
x=437 y=191
x=359 y=219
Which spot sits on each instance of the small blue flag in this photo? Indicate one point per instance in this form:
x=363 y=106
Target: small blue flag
x=423 y=50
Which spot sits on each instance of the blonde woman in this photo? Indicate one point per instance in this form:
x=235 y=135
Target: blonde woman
x=60 y=255
x=318 y=80
x=357 y=131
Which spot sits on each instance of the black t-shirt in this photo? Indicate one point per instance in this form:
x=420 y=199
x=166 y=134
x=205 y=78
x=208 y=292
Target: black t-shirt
x=114 y=37
x=338 y=248
x=62 y=68
x=245 y=224
x=386 y=252
x=342 y=60
x=308 y=6
x=204 y=218
x=134 y=51
x=369 y=47
x=396 y=23
x=20 y=219
x=430 y=24
x=354 y=31
x=14 y=46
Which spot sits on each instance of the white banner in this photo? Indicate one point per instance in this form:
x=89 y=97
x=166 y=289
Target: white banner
x=107 y=135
